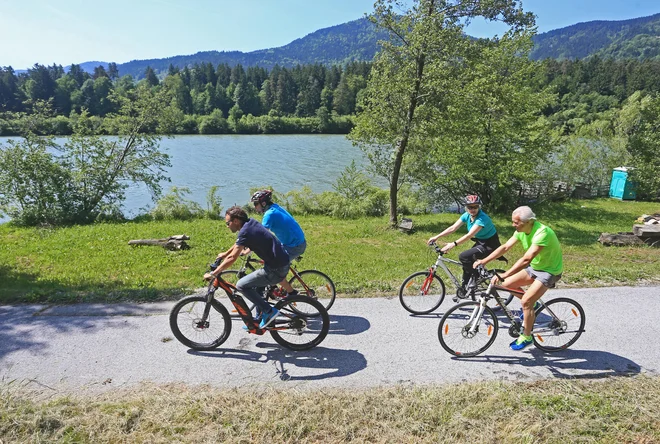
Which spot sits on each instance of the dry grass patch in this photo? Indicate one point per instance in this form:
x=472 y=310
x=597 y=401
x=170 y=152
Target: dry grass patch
x=611 y=410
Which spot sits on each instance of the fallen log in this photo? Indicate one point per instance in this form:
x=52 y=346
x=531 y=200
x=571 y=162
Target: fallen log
x=177 y=242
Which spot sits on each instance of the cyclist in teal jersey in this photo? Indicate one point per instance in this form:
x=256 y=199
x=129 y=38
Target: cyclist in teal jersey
x=480 y=230
x=540 y=267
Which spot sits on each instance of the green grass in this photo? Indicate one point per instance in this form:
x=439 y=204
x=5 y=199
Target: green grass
x=613 y=410
x=363 y=257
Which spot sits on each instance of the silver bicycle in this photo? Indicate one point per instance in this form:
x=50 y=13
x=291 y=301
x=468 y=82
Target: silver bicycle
x=423 y=291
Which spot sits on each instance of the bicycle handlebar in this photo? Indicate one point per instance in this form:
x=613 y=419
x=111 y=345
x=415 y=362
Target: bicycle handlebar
x=437 y=249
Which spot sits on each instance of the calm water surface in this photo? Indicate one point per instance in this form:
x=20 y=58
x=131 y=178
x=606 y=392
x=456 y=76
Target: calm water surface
x=236 y=163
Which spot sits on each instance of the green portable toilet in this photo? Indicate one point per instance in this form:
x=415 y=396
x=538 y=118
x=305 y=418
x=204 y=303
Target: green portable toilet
x=620 y=186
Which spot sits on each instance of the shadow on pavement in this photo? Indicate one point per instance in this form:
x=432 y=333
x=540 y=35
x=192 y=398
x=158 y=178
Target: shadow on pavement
x=22 y=328
x=348 y=325
x=338 y=363
x=569 y=364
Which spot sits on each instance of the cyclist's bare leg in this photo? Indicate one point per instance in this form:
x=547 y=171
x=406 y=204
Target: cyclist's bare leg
x=533 y=294
x=517 y=281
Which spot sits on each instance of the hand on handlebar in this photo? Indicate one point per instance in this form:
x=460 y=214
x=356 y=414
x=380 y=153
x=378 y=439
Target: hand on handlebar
x=447 y=247
x=431 y=240
x=209 y=276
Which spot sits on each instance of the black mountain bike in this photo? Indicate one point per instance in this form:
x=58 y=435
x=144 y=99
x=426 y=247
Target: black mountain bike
x=203 y=322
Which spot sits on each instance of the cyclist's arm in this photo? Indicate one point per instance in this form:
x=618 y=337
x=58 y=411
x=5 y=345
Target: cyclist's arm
x=473 y=232
x=225 y=253
x=448 y=230
x=230 y=258
x=497 y=253
x=524 y=261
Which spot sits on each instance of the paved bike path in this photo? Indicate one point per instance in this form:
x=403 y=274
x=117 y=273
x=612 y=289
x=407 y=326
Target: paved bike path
x=372 y=342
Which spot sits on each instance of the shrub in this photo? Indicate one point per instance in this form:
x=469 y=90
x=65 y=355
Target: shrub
x=175 y=206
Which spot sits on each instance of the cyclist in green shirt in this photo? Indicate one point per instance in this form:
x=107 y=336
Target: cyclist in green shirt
x=540 y=267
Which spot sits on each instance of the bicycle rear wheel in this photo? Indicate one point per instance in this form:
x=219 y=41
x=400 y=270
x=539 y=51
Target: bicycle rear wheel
x=302 y=323
x=454 y=330
x=320 y=287
x=558 y=324
x=422 y=292
x=193 y=330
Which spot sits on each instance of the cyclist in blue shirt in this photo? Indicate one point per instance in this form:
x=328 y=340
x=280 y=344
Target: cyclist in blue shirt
x=285 y=227
x=480 y=229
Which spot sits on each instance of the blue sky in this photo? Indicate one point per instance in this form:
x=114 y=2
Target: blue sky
x=76 y=31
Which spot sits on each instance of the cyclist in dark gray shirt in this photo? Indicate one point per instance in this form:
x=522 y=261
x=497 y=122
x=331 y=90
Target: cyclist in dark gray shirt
x=253 y=235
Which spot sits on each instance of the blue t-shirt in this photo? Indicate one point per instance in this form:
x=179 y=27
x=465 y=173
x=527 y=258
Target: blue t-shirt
x=484 y=221
x=258 y=239
x=285 y=227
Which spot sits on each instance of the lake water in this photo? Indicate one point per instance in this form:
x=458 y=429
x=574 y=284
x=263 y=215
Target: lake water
x=237 y=163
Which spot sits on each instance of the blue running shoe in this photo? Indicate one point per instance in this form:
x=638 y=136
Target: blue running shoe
x=267 y=318
x=537 y=304
x=522 y=342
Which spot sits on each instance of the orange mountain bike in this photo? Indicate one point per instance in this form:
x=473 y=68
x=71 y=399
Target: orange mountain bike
x=203 y=322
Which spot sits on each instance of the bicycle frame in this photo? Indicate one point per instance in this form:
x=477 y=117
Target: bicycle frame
x=238 y=302
x=440 y=262
x=477 y=314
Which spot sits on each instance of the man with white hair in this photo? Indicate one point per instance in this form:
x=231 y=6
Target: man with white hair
x=540 y=267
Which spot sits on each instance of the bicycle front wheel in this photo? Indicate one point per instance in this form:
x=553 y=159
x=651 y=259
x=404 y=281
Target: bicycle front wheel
x=195 y=330
x=422 y=292
x=462 y=334
x=319 y=287
x=302 y=323
x=558 y=324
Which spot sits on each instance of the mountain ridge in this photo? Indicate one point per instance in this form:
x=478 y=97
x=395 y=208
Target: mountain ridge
x=356 y=40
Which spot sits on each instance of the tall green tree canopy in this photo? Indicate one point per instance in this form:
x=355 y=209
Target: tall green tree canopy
x=417 y=75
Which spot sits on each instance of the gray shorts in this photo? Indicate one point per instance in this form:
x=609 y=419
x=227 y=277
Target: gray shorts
x=547 y=279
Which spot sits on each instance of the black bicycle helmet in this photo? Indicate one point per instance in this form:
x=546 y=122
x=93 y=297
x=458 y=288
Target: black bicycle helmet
x=472 y=199
x=264 y=197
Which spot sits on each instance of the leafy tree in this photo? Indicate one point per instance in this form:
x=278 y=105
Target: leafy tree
x=113 y=71
x=150 y=76
x=246 y=96
x=639 y=124
x=179 y=91
x=78 y=74
x=489 y=139
x=415 y=71
x=102 y=89
x=40 y=84
x=285 y=93
x=89 y=177
x=11 y=96
x=99 y=71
